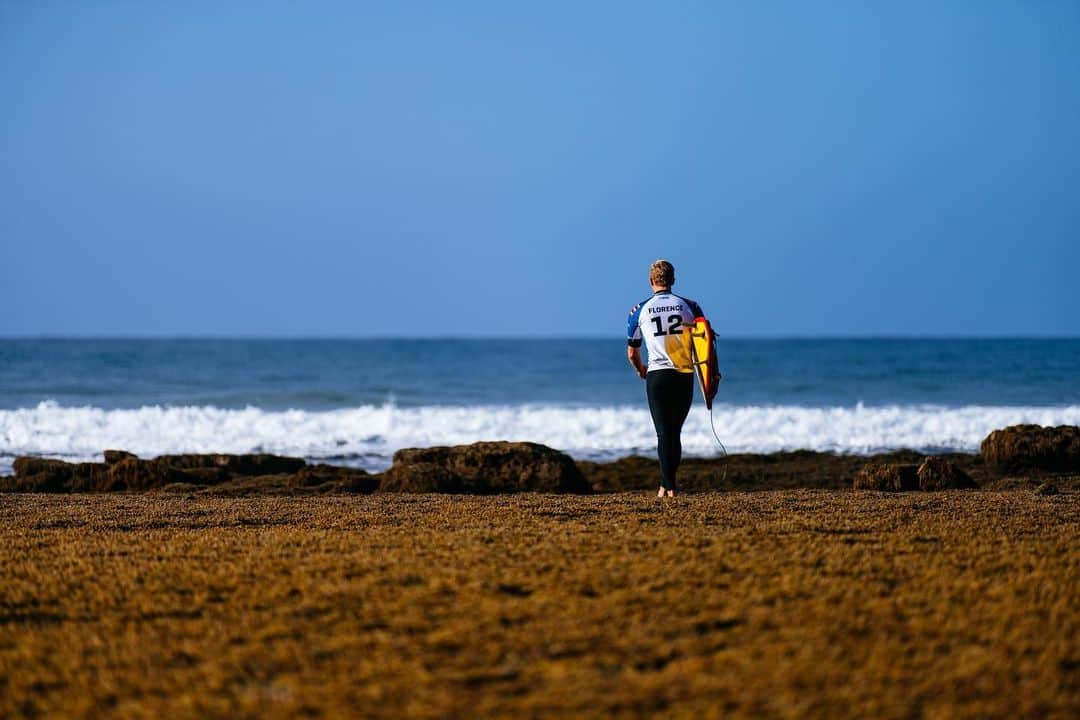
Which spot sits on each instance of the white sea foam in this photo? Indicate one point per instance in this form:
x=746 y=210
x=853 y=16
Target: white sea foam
x=368 y=435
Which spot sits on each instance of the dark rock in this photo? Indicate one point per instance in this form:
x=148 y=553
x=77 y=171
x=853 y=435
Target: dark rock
x=343 y=479
x=1033 y=447
x=114 y=456
x=309 y=480
x=42 y=483
x=27 y=465
x=255 y=464
x=236 y=474
x=484 y=467
x=208 y=475
x=937 y=474
x=89 y=477
x=625 y=474
x=1047 y=489
x=135 y=474
x=421 y=477
x=752 y=471
x=34 y=474
x=886 y=476
x=241 y=485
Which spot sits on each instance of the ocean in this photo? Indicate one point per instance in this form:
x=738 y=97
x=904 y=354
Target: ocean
x=354 y=402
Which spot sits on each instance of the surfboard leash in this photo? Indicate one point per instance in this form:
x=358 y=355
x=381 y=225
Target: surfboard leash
x=716 y=436
x=712 y=424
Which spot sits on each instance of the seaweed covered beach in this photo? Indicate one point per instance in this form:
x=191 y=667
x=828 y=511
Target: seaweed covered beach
x=774 y=603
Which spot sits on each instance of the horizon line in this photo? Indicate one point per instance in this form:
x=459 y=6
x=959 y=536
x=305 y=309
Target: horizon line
x=541 y=337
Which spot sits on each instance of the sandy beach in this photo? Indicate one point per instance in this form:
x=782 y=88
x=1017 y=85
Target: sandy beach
x=777 y=603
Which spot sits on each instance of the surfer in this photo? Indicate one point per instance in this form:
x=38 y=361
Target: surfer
x=669 y=376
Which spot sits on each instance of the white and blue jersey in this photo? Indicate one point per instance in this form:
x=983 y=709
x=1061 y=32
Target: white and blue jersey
x=660 y=321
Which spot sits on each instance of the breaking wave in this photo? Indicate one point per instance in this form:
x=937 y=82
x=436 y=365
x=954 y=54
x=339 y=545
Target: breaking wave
x=367 y=436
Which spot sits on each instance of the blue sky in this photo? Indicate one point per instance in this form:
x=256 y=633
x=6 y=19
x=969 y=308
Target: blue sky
x=479 y=169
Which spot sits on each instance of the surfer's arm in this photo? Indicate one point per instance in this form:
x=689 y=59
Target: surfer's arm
x=633 y=340
x=634 y=355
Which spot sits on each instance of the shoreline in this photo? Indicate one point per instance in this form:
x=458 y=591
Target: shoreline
x=493 y=468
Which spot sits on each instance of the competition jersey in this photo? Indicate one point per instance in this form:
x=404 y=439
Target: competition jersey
x=660 y=321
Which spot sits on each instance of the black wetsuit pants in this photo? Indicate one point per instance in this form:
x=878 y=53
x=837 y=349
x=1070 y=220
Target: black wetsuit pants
x=670 y=394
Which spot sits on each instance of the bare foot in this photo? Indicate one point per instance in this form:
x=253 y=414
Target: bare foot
x=661 y=493
x=671 y=493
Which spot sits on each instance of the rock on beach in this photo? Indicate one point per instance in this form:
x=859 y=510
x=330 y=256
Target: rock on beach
x=484 y=468
x=887 y=477
x=1033 y=447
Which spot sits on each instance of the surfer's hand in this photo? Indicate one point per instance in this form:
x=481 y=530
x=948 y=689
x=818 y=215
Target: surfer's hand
x=642 y=372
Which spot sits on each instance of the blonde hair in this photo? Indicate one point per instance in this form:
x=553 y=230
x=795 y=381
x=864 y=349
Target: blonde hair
x=662 y=272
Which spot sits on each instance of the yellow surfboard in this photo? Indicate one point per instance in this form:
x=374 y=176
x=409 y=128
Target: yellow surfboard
x=702 y=344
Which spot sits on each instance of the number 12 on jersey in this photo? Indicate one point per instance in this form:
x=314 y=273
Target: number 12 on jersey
x=674 y=325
